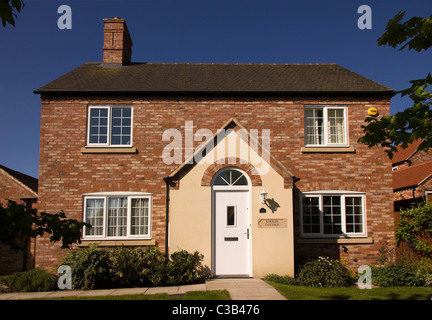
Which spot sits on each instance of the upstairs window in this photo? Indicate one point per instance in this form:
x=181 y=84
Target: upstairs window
x=325 y=126
x=109 y=126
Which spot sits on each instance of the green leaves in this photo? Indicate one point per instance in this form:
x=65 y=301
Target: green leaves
x=415 y=122
x=415 y=229
x=406 y=126
x=416 y=33
x=7 y=10
x=17 y=222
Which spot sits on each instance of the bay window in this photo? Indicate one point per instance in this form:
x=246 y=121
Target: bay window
x=333 y=214
x=117 y=215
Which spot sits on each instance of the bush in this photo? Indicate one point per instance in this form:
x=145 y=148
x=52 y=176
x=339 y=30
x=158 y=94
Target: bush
x=90 y=268
x=132 y=267
x=155 y=266
x=423 y=270
x=394 y=276
x=30 y=281
x=324 y=272
x=183 y=267
x=280 y=279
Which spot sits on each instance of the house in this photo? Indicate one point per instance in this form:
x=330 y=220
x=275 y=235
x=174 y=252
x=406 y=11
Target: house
x=412 y=175
x=256 y=166
x=21 y=188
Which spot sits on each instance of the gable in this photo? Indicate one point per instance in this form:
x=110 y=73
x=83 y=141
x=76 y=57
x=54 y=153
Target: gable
x=15 y=185
x=234 y=145
x=411 y=177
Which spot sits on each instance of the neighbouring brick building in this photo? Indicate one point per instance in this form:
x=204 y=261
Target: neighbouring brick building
x=257 y=166
x=21 y=188
x=412 y=175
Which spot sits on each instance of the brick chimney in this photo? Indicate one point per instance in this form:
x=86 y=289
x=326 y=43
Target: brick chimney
x=117 y=48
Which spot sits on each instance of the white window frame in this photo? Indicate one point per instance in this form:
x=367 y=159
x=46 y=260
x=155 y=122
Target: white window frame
x=343 y=195
x=109 y=126
x=325 y=109
x=106 y=196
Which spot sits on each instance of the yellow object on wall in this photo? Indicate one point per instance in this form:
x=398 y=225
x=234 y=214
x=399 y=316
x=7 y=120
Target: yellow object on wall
x=372 y=111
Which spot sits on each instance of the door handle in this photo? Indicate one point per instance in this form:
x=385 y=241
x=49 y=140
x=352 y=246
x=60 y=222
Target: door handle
x=247 y=233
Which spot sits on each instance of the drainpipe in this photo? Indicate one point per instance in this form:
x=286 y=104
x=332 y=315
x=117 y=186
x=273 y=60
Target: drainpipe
x=167 y=182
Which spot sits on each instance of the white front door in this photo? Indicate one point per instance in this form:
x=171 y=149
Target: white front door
x=232 y=236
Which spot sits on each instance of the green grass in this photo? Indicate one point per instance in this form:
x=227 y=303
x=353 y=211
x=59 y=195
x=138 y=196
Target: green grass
x=190 y=295
x=389 y=293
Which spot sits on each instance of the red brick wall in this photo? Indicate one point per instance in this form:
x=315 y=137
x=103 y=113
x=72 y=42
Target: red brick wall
x=421 y=156
x=10 y=188
x=66 y=173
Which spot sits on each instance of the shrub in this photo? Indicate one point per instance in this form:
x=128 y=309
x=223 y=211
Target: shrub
x=415 y=229
x=394 y=276
x=423 y=270
x=324 y=272
x=280 y=279
x=32 y=280
x=155 y=266
x=130 y=267
x=90 y=268
x=183 y=267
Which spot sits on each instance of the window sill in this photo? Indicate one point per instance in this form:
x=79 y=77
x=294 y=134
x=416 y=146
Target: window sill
x=327 y=150
x=116 y=243
x=109 y=150
x=364 y=240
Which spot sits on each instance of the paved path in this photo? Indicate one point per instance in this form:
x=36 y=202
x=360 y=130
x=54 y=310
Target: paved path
x=239 y=289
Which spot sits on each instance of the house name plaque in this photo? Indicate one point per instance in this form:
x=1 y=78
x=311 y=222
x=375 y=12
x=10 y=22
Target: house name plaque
x=272 y=223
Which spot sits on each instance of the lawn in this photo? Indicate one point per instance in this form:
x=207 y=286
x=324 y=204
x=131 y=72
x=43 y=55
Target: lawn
x=389 y=293
x=190 y=295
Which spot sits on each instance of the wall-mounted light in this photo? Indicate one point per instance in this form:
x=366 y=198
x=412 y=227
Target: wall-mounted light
x=263 y=196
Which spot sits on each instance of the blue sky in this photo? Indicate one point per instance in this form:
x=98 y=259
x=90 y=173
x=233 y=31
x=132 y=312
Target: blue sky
x=36 y=51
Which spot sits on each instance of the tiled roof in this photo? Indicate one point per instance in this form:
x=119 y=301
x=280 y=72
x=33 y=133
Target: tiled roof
x=27 y=180
x=413 y=176
x=405 y=154
x=213 y=78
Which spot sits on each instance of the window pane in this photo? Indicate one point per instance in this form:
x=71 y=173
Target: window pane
x=353 y=212
x=332 y=215
x=117 y=217
x=314 y=126
x=222 y=179
x=311 y=215
x=231 y=178
x=230 y=216
x=94 y=216
x=140 y=217
x=98 y=125
x=336 y=125
x=121 y=126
